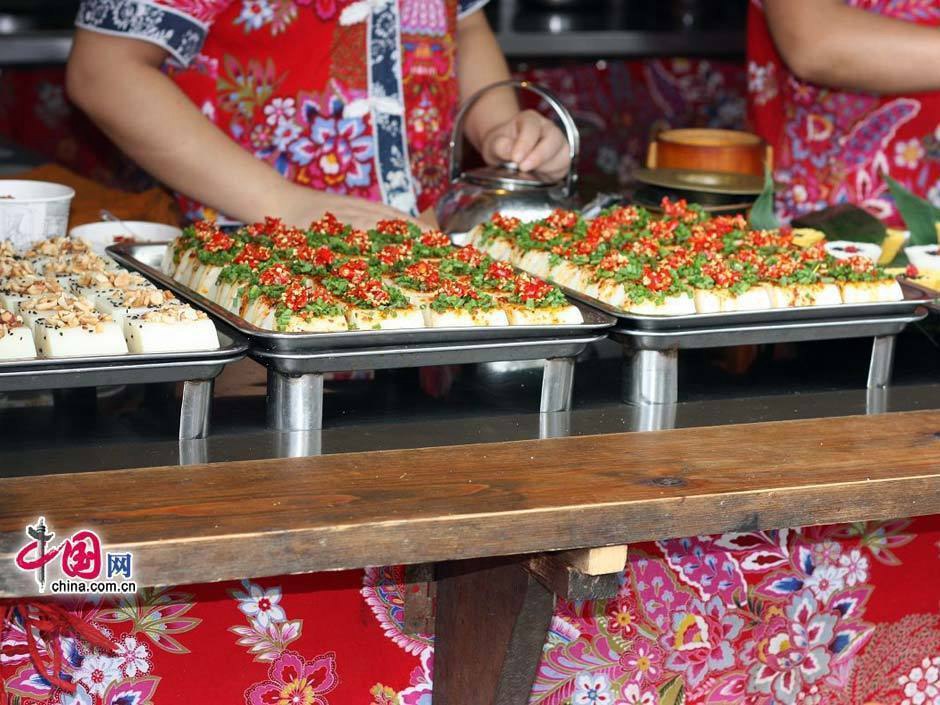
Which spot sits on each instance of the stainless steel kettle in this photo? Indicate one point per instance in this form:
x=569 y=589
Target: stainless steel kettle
x=474 y=195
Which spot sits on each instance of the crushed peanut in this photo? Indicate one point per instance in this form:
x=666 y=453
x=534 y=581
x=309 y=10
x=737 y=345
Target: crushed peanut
x=142 y=298
x=9 y=322
x=172 y=313
x=57 y=246
x=10 y=267
x=89 y=320
x=32 y=286
x=54 y=301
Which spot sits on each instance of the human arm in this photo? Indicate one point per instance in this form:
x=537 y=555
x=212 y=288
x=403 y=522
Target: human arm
x=118 y=82
x=496 y=126
x=832 y=44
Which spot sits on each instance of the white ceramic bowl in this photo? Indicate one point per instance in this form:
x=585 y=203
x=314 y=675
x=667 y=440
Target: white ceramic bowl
x=843 y=249
x=101 y=235
x=33 y=210
x=925 y=257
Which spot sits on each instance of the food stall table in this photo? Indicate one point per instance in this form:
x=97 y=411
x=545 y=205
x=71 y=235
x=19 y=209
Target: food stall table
x=483 y=502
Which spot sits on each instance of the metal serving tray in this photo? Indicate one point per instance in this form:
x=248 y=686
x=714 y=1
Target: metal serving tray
x=145 y=258
x=195 y=369
x=913 y=297
x=296 y=362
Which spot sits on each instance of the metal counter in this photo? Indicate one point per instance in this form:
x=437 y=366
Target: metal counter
x=134 y=426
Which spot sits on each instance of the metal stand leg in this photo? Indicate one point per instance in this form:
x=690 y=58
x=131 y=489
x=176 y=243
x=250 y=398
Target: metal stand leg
x=653 y=417
x=650 y=377
x=193 y=451
x=295 y=403
x=194 y=412
x=299 y=444
x=557 y=384
x=555 y=424
x=876 y=400
x=882 y=361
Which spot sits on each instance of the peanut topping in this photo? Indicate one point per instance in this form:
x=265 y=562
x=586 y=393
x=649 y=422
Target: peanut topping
x=141 y=298
x=6 y=248
x=104 y=279
x=89 y=320
x=32 y=286
x=8 y=322
x=172 y=313
x=10 y=267
x=55 y=301
x=57 y=246
x=75 y=264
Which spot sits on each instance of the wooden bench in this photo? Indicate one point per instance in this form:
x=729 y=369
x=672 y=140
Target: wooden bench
x=482 y=513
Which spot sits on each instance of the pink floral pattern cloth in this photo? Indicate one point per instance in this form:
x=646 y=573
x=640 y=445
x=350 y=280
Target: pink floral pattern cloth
x=831 y=146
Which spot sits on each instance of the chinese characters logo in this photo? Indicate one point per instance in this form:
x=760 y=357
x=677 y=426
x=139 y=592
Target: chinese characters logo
x=79 y=557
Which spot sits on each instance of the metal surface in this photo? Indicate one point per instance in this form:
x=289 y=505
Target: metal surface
x=145 y=258
x=43 y=47
x=651 y=376
x=882 y=361
x=194 y=410
x=778 y=317
x=798 y=331
x=295 y=403
x=65 y=372
x=651 y=370
x=195 y=369
x=295 y=382
x=557 y=384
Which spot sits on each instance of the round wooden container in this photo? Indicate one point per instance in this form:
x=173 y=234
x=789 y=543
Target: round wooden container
x=709 y=150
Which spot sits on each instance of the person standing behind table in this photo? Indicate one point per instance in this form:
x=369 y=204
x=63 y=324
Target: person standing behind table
x=844 y=91
x=291 y=108
x=286 y=108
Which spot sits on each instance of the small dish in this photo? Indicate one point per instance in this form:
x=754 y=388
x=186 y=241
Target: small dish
x=843 y=249
x=104 y=234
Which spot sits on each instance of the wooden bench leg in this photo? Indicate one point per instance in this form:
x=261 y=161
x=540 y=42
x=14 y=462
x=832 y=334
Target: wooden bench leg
x=491 y=624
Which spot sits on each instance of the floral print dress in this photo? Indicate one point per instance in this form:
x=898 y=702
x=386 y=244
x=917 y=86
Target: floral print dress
x=846 y=614
x=353 y=97
x=831 y=146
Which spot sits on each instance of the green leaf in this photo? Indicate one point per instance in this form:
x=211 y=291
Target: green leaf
x=672 y=692
x=844 y=222
x=762 y=215
x=919 y=215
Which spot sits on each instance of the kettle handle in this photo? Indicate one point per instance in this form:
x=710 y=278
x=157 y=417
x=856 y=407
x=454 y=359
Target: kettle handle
x=571 y=130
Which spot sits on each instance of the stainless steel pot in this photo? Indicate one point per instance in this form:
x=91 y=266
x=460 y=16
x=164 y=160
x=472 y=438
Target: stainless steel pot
x=474 y=195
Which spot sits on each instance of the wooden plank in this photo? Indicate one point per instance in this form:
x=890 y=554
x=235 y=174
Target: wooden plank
x=596 y=561
x=420 y=590
x=570 y=583
x=232 y=520
x=492 y=618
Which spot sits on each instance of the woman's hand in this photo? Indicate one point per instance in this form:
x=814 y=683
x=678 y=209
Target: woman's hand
x=308 y=205
x=530 y=141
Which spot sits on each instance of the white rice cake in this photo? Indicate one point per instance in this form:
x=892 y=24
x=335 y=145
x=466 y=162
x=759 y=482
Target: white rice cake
x=307 y=323
x=186 y=269
x=33 y=309
x=519 y=315
x=537 y=262
x=723 y=301
x=384 y=319
x=121 y=303
x=171 y=328
x=16 y=339
x=871 y=292
x=678 y=305
x=14 y=291
x=459 y=318
x=804 y=295
x=574 y=276
x=205 y=280
x=62 y=335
